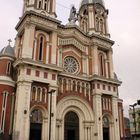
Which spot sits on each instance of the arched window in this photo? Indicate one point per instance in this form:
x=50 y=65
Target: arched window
x=38 y=94
x=40 y=48
x=45 y=4
x=69 y=85
x=97 y=24
x=44 y=91
x=101 y=65
x=3 y=112
x=83 y=88
x=78 y=87
x=64 y=85
x=105 y=122
x=34 y=92
x=101 y=26
x=84 y=21
x=27 y=2
x=40 y=4
x=74 y=86
x=36 y=116
x=8 y=70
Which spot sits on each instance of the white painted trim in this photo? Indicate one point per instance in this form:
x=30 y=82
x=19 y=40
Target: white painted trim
x=7 y=81
x=5 y=94
x=6 y=57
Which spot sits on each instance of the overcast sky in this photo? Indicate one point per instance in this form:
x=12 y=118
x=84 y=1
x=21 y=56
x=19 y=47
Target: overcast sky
x=124 y=26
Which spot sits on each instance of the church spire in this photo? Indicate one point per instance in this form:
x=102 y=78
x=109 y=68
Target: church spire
x=44 y=7
x=93 y=17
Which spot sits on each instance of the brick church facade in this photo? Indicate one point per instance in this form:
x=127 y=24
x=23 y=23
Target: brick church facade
x=58 y=82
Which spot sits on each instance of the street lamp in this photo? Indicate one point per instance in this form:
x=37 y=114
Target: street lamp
x=134 y=117
x=50 y=93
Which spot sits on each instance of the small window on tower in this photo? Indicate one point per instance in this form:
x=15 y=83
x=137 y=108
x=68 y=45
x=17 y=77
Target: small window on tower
x=40 y=4
x=41 y=47
x=27 y=2
x=101 y=65
x=3 y=113
x=8 y=71
x=45 y=5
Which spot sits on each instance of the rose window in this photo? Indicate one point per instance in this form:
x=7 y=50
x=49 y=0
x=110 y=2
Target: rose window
x=71 y=65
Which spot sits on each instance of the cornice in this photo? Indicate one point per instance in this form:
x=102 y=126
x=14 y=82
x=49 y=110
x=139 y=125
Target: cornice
x=26 y=61
x=90 y=78
x=74 y=30
x=4 y=80
x=34 y=14
x=2 y=57
x=103 y=79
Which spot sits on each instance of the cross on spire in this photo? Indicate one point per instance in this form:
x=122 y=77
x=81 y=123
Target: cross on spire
x=9 y=41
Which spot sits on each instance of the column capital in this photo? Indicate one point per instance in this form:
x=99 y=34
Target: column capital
x=23 y=81
x=97 y=95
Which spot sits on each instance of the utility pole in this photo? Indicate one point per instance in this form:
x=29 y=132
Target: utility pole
x=50 y=115
x=134 y=117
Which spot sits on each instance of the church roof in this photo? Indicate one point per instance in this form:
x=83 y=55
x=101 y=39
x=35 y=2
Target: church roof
x=8 y=50
x=85 y=2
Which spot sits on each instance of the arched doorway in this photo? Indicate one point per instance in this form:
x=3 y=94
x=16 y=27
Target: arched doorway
x=36 y=124
x=106 y=128
x=71 y=126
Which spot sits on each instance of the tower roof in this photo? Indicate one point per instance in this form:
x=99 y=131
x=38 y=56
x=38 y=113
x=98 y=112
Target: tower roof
x=8 y=50
x=85 y=2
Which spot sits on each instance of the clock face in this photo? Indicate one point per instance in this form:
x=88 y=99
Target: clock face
x=71 y=65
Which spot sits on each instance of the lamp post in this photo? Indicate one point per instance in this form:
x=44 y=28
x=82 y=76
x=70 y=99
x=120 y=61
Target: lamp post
x=134 y=117
x=50 y=93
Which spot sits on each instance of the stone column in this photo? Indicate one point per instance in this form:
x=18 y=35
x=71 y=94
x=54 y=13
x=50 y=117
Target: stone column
x=91 y=19
x=44 y=128
x=84 y=65
x=35 y=49
x=28 y=41
x=111 y=131
x=54 y=46
x=52 y=113
x=22 y=111
x=97 y=106
x=106 y=66
x=60 y=57
x=106 y=24
x=48 y=45
x=59 y=129
x=116 y=117
x=95 y=59
x=17 y=44
x=110 y=53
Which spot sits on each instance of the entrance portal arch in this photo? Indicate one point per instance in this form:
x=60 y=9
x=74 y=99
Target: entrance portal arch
x=106 y=128
x=71 y=126
x=83 y=113
x=36 y=120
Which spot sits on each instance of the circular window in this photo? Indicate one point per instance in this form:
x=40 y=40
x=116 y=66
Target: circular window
x=71 y=65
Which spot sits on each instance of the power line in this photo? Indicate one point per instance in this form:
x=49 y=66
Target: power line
x=62 y=6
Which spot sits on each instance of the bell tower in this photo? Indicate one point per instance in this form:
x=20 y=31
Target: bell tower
x=93 y=17
x=45 y=7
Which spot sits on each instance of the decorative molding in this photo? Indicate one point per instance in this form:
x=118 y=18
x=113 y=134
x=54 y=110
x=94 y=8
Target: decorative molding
x=72 y=41
x=7 y=81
